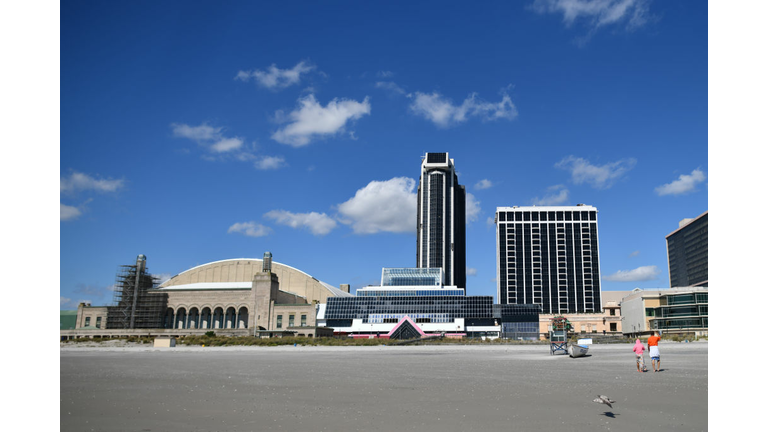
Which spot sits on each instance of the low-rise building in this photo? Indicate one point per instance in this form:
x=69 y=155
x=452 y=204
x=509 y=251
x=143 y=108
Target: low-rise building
x=607 y=322
x=419 y=295
x=236 y=297
x=679 y=310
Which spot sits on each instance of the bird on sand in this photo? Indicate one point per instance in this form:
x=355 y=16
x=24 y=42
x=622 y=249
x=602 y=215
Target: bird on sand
x=604 y=400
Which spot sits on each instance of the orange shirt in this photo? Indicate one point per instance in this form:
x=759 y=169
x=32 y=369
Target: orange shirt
x=653 y=341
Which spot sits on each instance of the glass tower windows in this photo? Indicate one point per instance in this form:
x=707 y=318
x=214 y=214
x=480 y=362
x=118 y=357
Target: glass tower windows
x=551 y=260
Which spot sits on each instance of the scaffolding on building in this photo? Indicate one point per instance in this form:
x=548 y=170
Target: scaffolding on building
x=137 y=304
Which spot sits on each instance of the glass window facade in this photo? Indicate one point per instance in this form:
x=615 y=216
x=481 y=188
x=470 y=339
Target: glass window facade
x=412 y=277
x=684 y=311
x=438 y=309
x=441 y=214
x=687 y=254
x=279 y=321
x=520 y=330
x=549 y=258
x=446 y=292
x=476 y=310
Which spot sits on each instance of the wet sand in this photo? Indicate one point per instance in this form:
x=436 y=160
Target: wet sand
x=387 y=388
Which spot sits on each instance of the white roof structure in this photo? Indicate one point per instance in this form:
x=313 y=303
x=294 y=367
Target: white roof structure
x=579 y=207
x=237 y=273
x=209 y=286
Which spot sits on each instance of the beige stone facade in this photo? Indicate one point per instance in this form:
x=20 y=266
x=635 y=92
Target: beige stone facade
x=243 y=270
x=608 y=322
x=237 y=296
x=91 y=316
x=296 y=318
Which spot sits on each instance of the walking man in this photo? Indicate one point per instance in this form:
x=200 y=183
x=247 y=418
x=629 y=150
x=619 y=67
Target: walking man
x=653 y=349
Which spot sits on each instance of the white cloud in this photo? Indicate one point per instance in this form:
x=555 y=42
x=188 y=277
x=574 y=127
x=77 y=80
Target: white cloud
x=597 y=13
x=388 y=206
x=250 y=229
x=639 y=274
x=444 y=113
x=275 y=78
x=600 y=177
x=558 y=194
x=311 y=120
x=491 y=221
x=269 y=162
x=207 y=136
x=68 y=213
x=483 y=184
x=79 y=182
x=385 y=74
x=390 y=86
x=472 y=208
x=64 y=300
x=471 y=271
x=318 y=223
x=196 y=133
x=634 y=254
x=684 y=184
x=227 y=144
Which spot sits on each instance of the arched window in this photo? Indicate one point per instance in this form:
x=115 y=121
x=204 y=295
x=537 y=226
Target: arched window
x=181 y=319
x=218 y=318
x=168 y=319
x=194 y=318
x=205 y=318
x=242 y=317
x=230 y=318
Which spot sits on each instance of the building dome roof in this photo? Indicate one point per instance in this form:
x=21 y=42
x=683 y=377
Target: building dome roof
x=218 y=274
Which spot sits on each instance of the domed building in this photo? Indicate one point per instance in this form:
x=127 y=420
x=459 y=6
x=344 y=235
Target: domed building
x=243 y=296
x=239 y=294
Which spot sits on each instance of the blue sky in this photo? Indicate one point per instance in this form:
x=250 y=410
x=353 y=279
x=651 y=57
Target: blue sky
x=196 y=131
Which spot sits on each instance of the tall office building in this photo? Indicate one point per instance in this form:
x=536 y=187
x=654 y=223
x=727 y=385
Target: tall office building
x=687 y=253
x=548 y=256
x=440 y=229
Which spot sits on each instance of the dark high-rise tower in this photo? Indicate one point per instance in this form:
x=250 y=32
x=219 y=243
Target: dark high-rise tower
x=549 y=256
x=687 y=253
x=440 y=229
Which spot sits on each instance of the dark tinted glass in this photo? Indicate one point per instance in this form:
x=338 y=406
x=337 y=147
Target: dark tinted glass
x=436 y=157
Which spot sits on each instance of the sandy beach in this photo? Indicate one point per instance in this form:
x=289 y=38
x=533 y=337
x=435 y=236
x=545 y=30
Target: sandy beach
x=384 y=388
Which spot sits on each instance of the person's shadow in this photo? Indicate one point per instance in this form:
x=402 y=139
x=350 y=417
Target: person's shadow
x=609 y=414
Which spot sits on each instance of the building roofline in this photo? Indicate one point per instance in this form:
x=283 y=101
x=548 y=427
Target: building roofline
x=689 y=222
x=581 y=207
x=327 y=286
